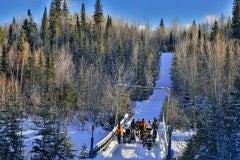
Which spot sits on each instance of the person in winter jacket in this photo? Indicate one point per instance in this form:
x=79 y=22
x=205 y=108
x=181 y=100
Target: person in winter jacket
x=155 y=124
x=119 y=132
x=142 y=126
x=133 y=126
x=149 y=125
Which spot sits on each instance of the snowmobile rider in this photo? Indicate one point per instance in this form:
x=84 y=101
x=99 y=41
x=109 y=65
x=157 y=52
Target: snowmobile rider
x=149 y=126
x=155 y=124
x=133 y=126
x=142 y=126
x=119 y=132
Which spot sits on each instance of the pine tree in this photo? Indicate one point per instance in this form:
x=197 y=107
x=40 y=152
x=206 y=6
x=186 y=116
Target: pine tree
x=65 y=29
x=236 y=19
x=2 y=37
x=12 y=33
x=108 y=28
x=76 y=43
x=162 y=28
x=84 y=151
x=215 y=33
x=161 y=23
x=161 y=36
x=3 y=67
x=171 y=42
x=199 y=33
x=193 y=30
x=232 y=120
x=54 y=142
x=45 y=29
x=140 y=78
x=67 y=100
x=83 y=15
x=108 y=43
x=227 y=29
x=30 y=28
x=98 y=32
x=98 y=14
x=11 y=138
x=55 y=21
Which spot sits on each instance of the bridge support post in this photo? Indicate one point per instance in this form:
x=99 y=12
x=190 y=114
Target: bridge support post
x=170 y=130
x=91 y=154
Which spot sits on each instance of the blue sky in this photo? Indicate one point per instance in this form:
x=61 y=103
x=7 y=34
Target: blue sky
x=140 y=11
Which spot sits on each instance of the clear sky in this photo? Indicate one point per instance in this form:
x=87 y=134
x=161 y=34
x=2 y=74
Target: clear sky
x=141 y=11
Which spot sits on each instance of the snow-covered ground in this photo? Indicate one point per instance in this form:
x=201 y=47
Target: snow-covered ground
x=179 y=141
x=147 y=109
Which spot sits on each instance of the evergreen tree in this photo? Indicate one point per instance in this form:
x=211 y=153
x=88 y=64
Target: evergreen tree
x=193 y=30
x=40 y=78
x=2 y=36
x=98 y=32
x=199 y=33
x=232 y=120
x=65 y=29
x=160 y=41
x=236 y=19
x=161 y=23
x=140 y=78
x=67 y=100
x=12 y=33
x=227 y=29
x=108 y=28
x=65 y=10
x=215 y=33
x=75 y=40
x=83 y=15
x=84 y=151
x=30 y=28
x=55 y=21
x=171 y=42
x=98 y=14
x=11 y=138
x=108 y=43
x=44 y=28
x=54 y=142
x=3 y=67
x=49 y=73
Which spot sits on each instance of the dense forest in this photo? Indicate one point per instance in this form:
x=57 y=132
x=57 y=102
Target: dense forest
x=206 y=83
x=70 y=67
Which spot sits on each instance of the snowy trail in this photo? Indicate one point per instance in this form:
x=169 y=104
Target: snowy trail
x=147 y=109
x=152 y=107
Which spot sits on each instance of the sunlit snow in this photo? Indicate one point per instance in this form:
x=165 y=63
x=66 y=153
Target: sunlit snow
x=147 y=109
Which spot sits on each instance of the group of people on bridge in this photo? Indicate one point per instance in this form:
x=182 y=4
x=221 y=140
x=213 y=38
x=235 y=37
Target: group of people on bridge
x=140 y=129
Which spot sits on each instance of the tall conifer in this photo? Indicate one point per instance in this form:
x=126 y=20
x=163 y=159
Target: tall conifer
x=215 y=33
x=44 y=28
x=236 y=19
x=83 y=15
x=98 y=14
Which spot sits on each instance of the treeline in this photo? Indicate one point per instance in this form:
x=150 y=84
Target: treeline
x=74 y=62
x=206 y=87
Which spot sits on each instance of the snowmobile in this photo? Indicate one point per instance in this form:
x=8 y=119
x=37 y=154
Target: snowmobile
x=148 y=142
x=128 y=136
x=148 y=139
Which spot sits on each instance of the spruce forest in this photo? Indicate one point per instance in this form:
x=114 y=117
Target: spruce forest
x=69 y=67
